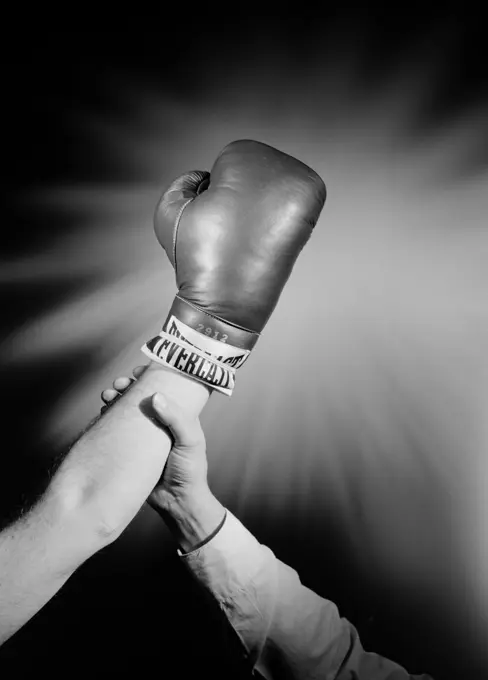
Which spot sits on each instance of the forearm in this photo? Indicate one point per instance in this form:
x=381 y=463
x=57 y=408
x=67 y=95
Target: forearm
x=38 y=553
x=110 y=471
x=97 y=490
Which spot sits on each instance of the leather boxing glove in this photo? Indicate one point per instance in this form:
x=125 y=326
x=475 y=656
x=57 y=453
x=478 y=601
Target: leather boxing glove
x=232 y=236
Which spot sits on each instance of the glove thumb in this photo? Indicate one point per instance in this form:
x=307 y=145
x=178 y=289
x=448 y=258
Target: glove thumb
x=170 y=208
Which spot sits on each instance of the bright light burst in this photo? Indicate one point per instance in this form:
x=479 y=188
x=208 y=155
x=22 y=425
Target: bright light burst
x=365 y=400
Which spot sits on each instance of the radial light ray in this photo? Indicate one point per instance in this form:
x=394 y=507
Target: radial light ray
x=365 y=399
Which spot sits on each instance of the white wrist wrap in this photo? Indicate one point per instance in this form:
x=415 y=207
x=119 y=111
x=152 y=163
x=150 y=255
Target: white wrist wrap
x=197 y=355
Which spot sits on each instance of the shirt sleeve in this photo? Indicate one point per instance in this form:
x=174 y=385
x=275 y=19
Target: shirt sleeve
x=287 y=631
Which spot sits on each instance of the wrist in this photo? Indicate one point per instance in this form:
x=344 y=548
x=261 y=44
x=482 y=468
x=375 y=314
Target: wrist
x=192 y=517
x=178 y=387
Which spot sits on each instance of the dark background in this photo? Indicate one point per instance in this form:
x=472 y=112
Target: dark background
x=132 y=609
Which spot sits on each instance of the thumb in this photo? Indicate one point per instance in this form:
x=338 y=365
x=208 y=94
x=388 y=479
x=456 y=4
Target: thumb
x=170 y=208
x=186 y=431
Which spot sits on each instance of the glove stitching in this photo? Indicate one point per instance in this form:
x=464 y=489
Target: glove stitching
x=175 y=230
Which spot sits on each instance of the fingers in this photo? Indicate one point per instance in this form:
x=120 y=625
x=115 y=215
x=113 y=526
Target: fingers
x=187 y=432
x=119 y=386
x=109 y=395
x=138 y=371
x=122 y=383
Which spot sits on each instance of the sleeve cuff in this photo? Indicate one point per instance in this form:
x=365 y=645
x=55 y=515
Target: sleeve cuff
x=231 y=547
x=205 y=541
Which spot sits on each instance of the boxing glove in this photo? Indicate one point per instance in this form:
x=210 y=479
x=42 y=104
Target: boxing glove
x=232 y=236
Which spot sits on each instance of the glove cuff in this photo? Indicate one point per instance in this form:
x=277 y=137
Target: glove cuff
x=211 y=326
